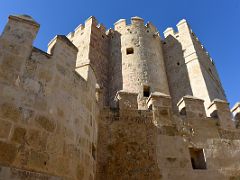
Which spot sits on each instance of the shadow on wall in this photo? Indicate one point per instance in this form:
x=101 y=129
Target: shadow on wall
x=115 y=70
x=176 y=69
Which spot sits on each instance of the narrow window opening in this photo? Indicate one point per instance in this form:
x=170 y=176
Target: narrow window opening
x=146 y=91
x=130 y=51
x=178 y=63
x=197 y=158
x=93 y=151
x=209 y=69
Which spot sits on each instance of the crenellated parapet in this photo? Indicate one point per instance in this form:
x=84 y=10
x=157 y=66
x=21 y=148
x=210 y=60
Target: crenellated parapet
x=89 y=23
x=127 y=100
x=161 y=106
x=192 y=107
x=92 y=42
x=220 y=110
x=99 y=101
x=47 y=106
x=136 y=23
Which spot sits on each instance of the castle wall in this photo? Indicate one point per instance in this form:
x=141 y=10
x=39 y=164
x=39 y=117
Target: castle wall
x=93 y=45
x=48 y=112
x=54 y=119
x=137 y=144
x=144 y=66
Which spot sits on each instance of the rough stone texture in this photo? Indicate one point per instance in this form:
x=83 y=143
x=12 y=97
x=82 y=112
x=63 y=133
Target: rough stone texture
x=131 y=72
x=116 y=104
x=48 y=112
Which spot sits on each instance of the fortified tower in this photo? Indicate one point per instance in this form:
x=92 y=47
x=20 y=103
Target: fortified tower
x=93 y=45
x=116 y=104
x=189 y=67
x=137 y=64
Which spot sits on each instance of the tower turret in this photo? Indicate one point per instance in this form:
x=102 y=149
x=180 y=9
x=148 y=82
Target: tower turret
x=190 y=69
x=136 y=60
x=92 y=43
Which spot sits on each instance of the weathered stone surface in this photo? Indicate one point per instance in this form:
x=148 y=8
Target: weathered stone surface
x=10 y=111
x=5 y=128
x=8 y=152
x=38 y=160
x=103 y=105
x=46 y=123
x=17 y=174
x=19 y=135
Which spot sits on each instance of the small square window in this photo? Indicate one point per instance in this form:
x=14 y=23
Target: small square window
x=129 y=51
x=146 y=91
x=197 y=158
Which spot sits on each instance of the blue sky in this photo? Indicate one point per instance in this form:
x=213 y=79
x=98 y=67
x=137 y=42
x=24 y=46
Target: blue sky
x=215 y=22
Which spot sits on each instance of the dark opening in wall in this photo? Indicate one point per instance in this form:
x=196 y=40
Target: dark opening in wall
x=93 y=151
x=197 y=158
x=209 y=69
x=183 y=111
x=146 y=91
x=178 y=63
x=130 y=51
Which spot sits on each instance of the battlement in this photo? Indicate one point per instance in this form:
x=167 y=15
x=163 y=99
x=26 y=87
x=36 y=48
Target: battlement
x=177 y=35
x=170 y=30
x=100 y=100
x=89 y=23
x=136 y=22
x=46 y=94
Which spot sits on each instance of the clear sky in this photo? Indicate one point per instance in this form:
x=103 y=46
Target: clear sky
x=215 y=22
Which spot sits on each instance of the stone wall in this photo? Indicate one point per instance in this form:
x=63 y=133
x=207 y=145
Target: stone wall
x=155 y=144
x=48 y=112
x=93 y=45
x=55 y=118
x=177 y=73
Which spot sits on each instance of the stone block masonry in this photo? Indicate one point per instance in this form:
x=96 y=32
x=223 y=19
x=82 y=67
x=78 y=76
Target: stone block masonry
x=111 y=104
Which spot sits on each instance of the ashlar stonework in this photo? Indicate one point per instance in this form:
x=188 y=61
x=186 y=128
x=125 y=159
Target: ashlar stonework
x=122 y=103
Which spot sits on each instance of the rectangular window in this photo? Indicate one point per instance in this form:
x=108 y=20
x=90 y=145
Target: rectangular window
x=146 y=91
x=197 y=158
x=129 y=51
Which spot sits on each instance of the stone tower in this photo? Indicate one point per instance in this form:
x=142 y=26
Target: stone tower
x=117 y=104
x=189 y=67
x=137 y=61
